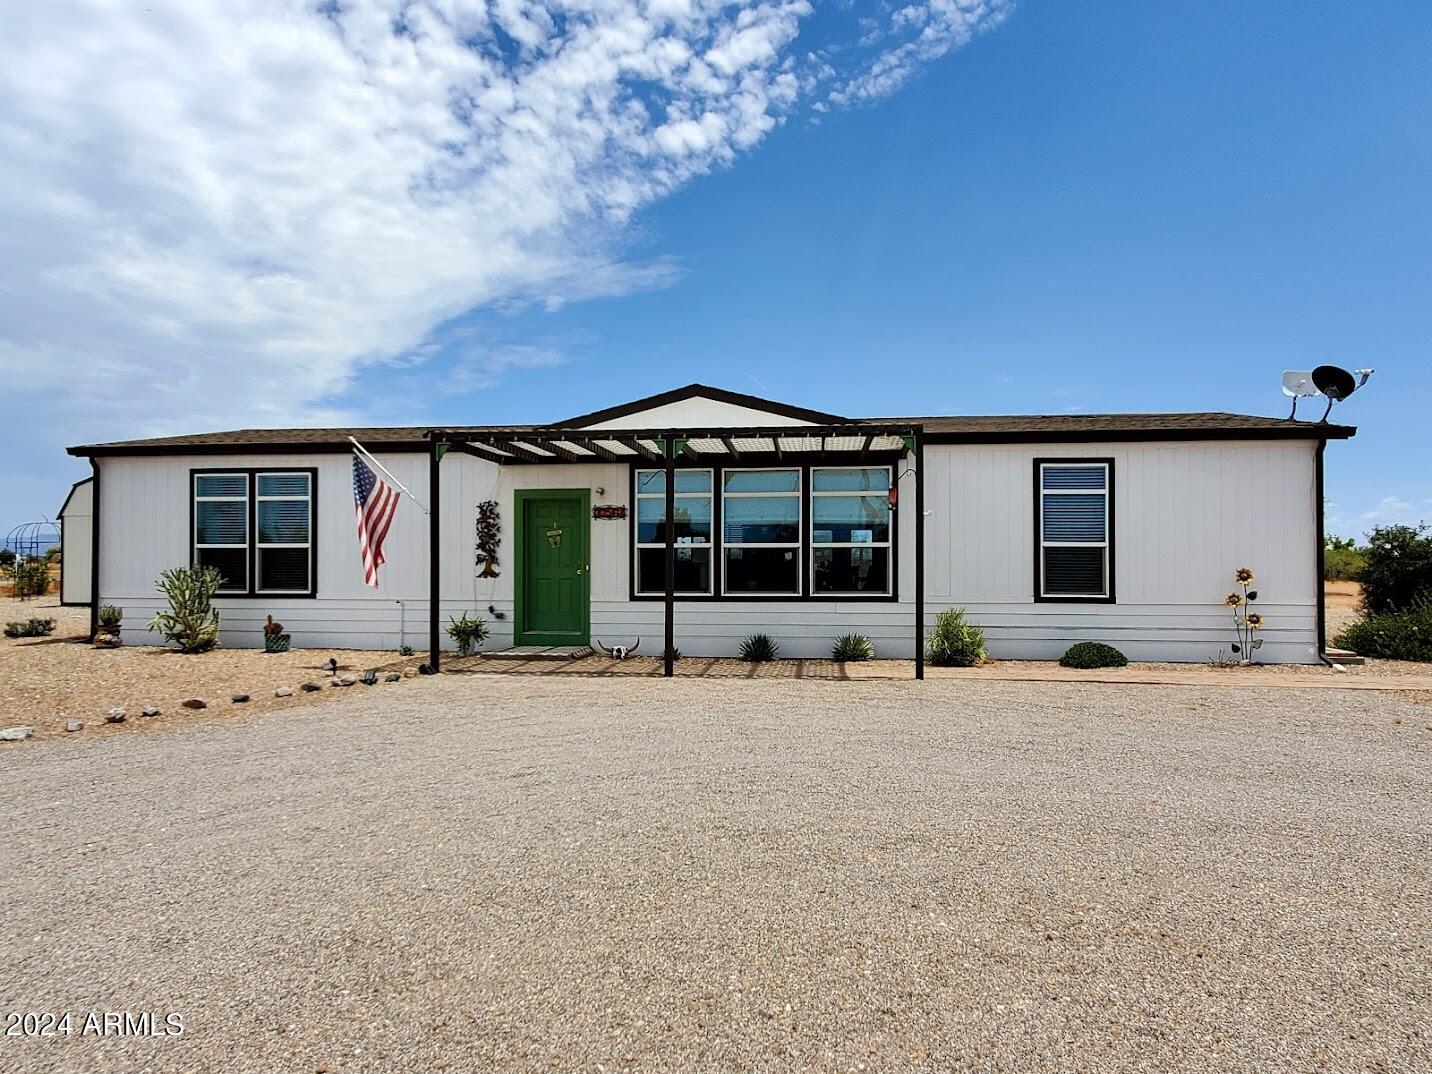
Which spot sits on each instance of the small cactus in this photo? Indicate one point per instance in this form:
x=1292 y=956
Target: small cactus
x=272 y=628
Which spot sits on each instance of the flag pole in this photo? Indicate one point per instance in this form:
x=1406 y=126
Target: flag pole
x=404 y=488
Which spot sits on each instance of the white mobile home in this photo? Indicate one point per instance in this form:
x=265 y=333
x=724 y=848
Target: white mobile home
x=799 y=524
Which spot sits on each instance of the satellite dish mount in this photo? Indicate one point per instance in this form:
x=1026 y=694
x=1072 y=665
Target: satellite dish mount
x=1337 y=384
x=1329 y=380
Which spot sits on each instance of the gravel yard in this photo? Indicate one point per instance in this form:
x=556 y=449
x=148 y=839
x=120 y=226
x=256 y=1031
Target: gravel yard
x=506 y=872
x=45 y=682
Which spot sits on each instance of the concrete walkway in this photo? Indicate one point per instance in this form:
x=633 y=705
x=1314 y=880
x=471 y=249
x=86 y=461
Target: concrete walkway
x=1310 y=678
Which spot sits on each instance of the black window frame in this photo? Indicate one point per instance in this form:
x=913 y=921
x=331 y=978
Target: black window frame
x=638 y=546
x=1111 y=560
x=718 y=544
x=252 y=474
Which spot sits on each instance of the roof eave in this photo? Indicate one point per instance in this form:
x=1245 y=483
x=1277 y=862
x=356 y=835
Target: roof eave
x=1092 y=436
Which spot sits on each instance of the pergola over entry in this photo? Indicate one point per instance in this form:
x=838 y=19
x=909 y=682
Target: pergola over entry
x=849 y=442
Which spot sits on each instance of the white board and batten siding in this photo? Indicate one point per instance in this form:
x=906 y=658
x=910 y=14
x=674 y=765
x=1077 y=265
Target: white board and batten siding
x=1186 y=515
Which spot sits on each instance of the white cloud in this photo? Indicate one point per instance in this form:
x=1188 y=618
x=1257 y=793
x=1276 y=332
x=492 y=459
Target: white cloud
x=1390 y=509
x=214 y=214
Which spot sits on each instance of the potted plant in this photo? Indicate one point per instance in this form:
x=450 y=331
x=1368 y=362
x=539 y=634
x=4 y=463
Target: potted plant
x=107 y=637
x=467 y=633
x=275 y=640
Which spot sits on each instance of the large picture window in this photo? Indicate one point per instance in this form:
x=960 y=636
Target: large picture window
x=850 y=530
x=767 y=532
x=761 y=531
x=692 y=535
x=256 y=528
x=1074 y=519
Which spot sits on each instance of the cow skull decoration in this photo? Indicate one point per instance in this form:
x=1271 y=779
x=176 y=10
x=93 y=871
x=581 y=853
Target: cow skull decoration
x=619 y=652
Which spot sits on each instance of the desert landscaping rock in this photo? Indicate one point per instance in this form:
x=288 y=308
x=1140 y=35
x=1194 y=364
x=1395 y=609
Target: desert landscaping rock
x=115 y=715
x=310 y=687
x=345 y=680
x=239 y=699
x=46 y=683
x=72 y=726
x=195 y=703
x=283 y=691
x=509 y=873
x=16 y=734
x=393 y=676
x=149 y=711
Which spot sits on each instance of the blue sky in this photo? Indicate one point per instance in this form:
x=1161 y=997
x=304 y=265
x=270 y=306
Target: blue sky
x=1086 y=207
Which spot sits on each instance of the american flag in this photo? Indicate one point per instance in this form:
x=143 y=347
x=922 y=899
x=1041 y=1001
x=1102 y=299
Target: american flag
x=374 y=503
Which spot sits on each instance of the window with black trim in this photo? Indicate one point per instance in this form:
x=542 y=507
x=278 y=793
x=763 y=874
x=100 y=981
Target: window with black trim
x=692 y=531
x=221 y=528
x=1074 y=513
x=256 y=528
x=761 y=532
x=850 y=530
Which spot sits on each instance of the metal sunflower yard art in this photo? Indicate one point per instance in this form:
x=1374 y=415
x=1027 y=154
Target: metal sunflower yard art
x=1245 y=621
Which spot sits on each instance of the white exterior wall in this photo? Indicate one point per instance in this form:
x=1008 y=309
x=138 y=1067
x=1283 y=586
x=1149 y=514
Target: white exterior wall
x=1186 y=514
x=76 y=541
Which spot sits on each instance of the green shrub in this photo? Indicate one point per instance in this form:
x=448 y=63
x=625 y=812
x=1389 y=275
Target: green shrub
x=33 y=628
x=1343 y=564
x=955 y=643
x=1405 y=635
x=853 y=648
x=32 y=577
x=759 y=648
x=7 y=558
x=467 y=633
x=1397 y=568
x=191 y=622
x=1093 y=654
x=110 y=616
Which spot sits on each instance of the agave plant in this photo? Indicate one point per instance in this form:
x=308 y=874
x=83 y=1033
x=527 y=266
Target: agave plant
x=759 y=648
x=853 y=648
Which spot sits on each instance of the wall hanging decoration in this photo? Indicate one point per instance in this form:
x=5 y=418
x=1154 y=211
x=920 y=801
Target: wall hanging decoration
x=489 y=532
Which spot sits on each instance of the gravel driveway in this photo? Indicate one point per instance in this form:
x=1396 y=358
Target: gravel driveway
x=516 y=873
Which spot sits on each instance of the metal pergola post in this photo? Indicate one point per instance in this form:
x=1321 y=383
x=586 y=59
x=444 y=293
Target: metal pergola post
x=919 y=553
x=669 y=655
x=434 y=555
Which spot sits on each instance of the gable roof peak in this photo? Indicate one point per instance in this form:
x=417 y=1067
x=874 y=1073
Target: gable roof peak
x=700 y=391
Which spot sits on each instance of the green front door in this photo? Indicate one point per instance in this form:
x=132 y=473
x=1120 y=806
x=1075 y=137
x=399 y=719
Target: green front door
x=553 y=576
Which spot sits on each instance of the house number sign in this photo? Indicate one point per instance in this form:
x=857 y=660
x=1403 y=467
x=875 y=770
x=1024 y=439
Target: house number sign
x=609 y=510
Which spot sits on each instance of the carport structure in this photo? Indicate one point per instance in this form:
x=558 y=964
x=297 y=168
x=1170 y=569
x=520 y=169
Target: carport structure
x=850 y=443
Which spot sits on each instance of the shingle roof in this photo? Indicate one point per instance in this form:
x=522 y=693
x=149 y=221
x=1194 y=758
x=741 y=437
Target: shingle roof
x=1024 y=425
x=973 y=428
x=407 y=435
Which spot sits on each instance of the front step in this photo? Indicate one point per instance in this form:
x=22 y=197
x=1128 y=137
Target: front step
x=539 y=652
x=1345 y=657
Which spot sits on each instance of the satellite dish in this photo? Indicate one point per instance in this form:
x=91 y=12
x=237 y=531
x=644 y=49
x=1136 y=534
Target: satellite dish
x=1337 y=384
x=1296 y=384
